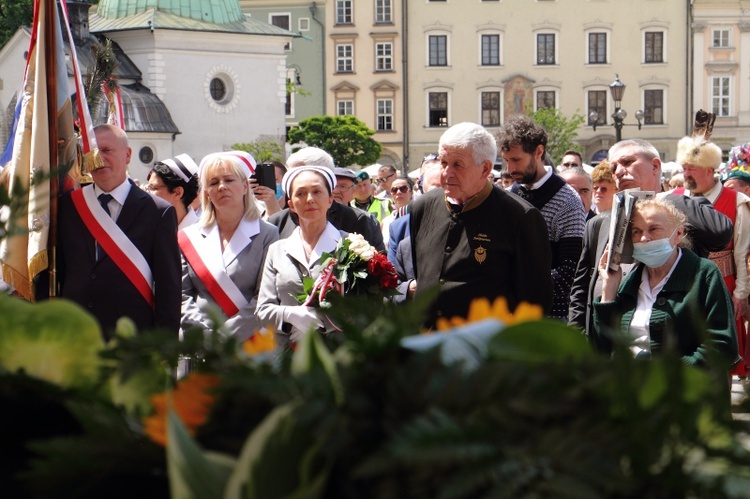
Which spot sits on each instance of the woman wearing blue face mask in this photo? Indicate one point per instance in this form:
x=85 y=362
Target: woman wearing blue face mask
x=671 y=299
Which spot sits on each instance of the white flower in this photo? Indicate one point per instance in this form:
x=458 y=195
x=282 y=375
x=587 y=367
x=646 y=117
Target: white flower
x=356 y=239
x=360 y=247
x=367 y=255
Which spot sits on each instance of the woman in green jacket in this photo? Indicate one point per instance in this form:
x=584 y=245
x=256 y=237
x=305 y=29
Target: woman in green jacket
x=673 y=299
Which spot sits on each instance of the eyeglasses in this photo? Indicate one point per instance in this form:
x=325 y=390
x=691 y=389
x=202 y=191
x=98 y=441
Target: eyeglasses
x=381 y=180
x=600 y=188
x=343 y=187
x=401 y=188
x=570 y=165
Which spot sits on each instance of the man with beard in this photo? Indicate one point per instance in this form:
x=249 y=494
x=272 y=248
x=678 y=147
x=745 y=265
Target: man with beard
x=523 y=144
x=699 y=160
x=459 y=247
x=635 y=164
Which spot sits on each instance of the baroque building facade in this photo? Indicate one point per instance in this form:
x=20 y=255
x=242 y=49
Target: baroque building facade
x=721 y=67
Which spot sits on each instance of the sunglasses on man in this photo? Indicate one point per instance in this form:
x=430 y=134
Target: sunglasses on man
x=380 y=180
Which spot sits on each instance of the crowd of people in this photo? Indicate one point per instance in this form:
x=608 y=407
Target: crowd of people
x=209 y=234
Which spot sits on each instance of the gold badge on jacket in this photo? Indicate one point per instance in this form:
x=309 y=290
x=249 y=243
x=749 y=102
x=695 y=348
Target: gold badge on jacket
x=480 y=253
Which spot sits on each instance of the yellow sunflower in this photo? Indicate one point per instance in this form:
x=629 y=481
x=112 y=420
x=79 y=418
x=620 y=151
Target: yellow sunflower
x=481 y=309
x=262 y=341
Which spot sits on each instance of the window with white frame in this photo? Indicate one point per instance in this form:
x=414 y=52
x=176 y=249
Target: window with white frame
x=283 y=21
x=720 y=38
x=344 y=12
x=720 y=93
x=438 y=50
x=344 y=107
x=597 y=48
x=303 y=24
x=653 y=107
x=383 y=11
x=289 y=103
x=438 y=109
x=491 y=50
x=597 y=101
x=491 y=108
x=344 y=58
x=385 y=114
x=384 y=56
x=545 y=48
x=654 y=47
x=545 y=98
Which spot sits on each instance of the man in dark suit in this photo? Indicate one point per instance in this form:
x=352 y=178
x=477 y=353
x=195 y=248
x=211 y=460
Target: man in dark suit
x=130 y=267
x=458 y=246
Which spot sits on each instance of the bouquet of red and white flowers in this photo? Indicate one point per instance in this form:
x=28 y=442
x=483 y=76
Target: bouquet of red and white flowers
x=355 y=267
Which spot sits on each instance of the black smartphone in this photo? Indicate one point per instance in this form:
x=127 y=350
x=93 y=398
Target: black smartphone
x=265 y=174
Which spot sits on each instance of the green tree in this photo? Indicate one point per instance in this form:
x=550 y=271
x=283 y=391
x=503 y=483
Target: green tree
x=13 y=15
x=345 y=138
x=262 y=150
x=561 y=130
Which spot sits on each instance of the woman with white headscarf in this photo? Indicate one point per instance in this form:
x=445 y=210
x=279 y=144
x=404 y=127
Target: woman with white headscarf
x=223 y=253
x=309 y=189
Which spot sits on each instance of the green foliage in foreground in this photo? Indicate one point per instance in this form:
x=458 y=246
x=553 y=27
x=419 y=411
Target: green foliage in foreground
x=530 y=412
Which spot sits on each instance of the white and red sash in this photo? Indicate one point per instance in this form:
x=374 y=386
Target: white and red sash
x=114 y=242
x=210 y=271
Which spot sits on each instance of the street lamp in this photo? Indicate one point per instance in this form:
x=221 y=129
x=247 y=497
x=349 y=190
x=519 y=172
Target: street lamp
x=617 y=90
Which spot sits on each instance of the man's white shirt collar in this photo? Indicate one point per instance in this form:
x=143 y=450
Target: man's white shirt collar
x=119 y=193
x=548 y=173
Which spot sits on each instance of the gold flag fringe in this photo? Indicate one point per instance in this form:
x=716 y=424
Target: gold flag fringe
x=23 y=285
x=91 y=161
x=20 y=283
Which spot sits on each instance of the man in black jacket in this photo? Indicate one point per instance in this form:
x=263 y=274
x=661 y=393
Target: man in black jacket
x=458 y=244
x=138 y=275
x=635 y=164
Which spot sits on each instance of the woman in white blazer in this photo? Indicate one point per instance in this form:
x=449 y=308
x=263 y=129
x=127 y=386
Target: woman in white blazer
x=289 y=260
x=223 y=254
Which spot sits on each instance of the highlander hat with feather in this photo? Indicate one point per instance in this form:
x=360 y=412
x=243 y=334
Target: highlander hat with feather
x=697 y=150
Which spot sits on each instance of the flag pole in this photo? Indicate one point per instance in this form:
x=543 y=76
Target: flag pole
x=54 y=178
